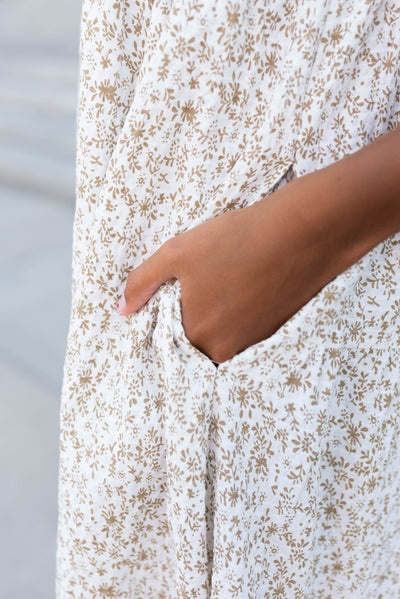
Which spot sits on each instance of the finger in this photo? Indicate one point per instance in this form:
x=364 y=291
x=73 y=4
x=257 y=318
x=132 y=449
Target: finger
x=143 y=281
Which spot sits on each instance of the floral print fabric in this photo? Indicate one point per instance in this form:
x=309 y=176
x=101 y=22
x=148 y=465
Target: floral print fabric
x=275 y=474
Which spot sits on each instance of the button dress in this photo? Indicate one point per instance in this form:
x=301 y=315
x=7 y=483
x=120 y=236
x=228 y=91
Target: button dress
x=277 y=473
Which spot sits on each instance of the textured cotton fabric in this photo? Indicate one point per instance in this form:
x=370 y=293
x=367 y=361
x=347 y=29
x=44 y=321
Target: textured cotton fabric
x=275 y=475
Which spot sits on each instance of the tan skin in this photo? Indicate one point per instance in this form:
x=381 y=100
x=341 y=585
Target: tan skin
x=247 y=271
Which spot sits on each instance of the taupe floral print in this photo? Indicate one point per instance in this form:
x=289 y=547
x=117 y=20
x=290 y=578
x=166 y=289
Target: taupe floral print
x=277 y=473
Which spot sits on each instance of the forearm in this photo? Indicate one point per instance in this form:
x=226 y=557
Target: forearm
x=347 y=208
x=255 y=267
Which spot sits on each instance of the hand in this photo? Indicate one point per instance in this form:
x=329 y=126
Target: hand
x=246 y=272
x=242 y=275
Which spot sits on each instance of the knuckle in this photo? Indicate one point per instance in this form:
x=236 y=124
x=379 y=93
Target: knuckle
x=220 y=352
x=201 y=337
x=195 y=334
x=198 y=337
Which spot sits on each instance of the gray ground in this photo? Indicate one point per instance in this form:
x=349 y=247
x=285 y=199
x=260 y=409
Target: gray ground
x=39 y=44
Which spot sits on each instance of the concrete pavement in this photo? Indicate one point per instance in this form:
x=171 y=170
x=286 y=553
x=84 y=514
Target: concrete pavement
x=38 y=97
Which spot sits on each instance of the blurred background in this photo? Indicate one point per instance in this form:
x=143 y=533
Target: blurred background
x=39 y=70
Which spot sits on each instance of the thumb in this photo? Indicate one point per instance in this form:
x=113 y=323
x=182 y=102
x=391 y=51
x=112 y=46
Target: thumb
x=143 y=281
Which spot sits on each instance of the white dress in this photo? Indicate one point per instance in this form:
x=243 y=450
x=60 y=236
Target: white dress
x=275 y=475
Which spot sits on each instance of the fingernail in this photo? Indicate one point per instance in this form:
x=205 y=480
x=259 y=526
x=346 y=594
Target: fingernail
x=121 y=304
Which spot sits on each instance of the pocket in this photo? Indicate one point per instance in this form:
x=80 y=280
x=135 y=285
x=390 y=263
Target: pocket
x=179 y=338
x=283 y=335
x=322 y=320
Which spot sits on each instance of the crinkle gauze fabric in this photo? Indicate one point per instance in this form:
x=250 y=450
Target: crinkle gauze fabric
x=276 y=474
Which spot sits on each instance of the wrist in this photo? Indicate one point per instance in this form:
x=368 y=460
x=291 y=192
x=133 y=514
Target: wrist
x=342 y=211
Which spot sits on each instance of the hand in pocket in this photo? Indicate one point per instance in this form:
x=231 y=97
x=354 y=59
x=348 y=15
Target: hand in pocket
x=243 y=274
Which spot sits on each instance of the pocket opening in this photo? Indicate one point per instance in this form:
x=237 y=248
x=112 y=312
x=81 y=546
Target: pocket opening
x=179 y=335
x=299 y=330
